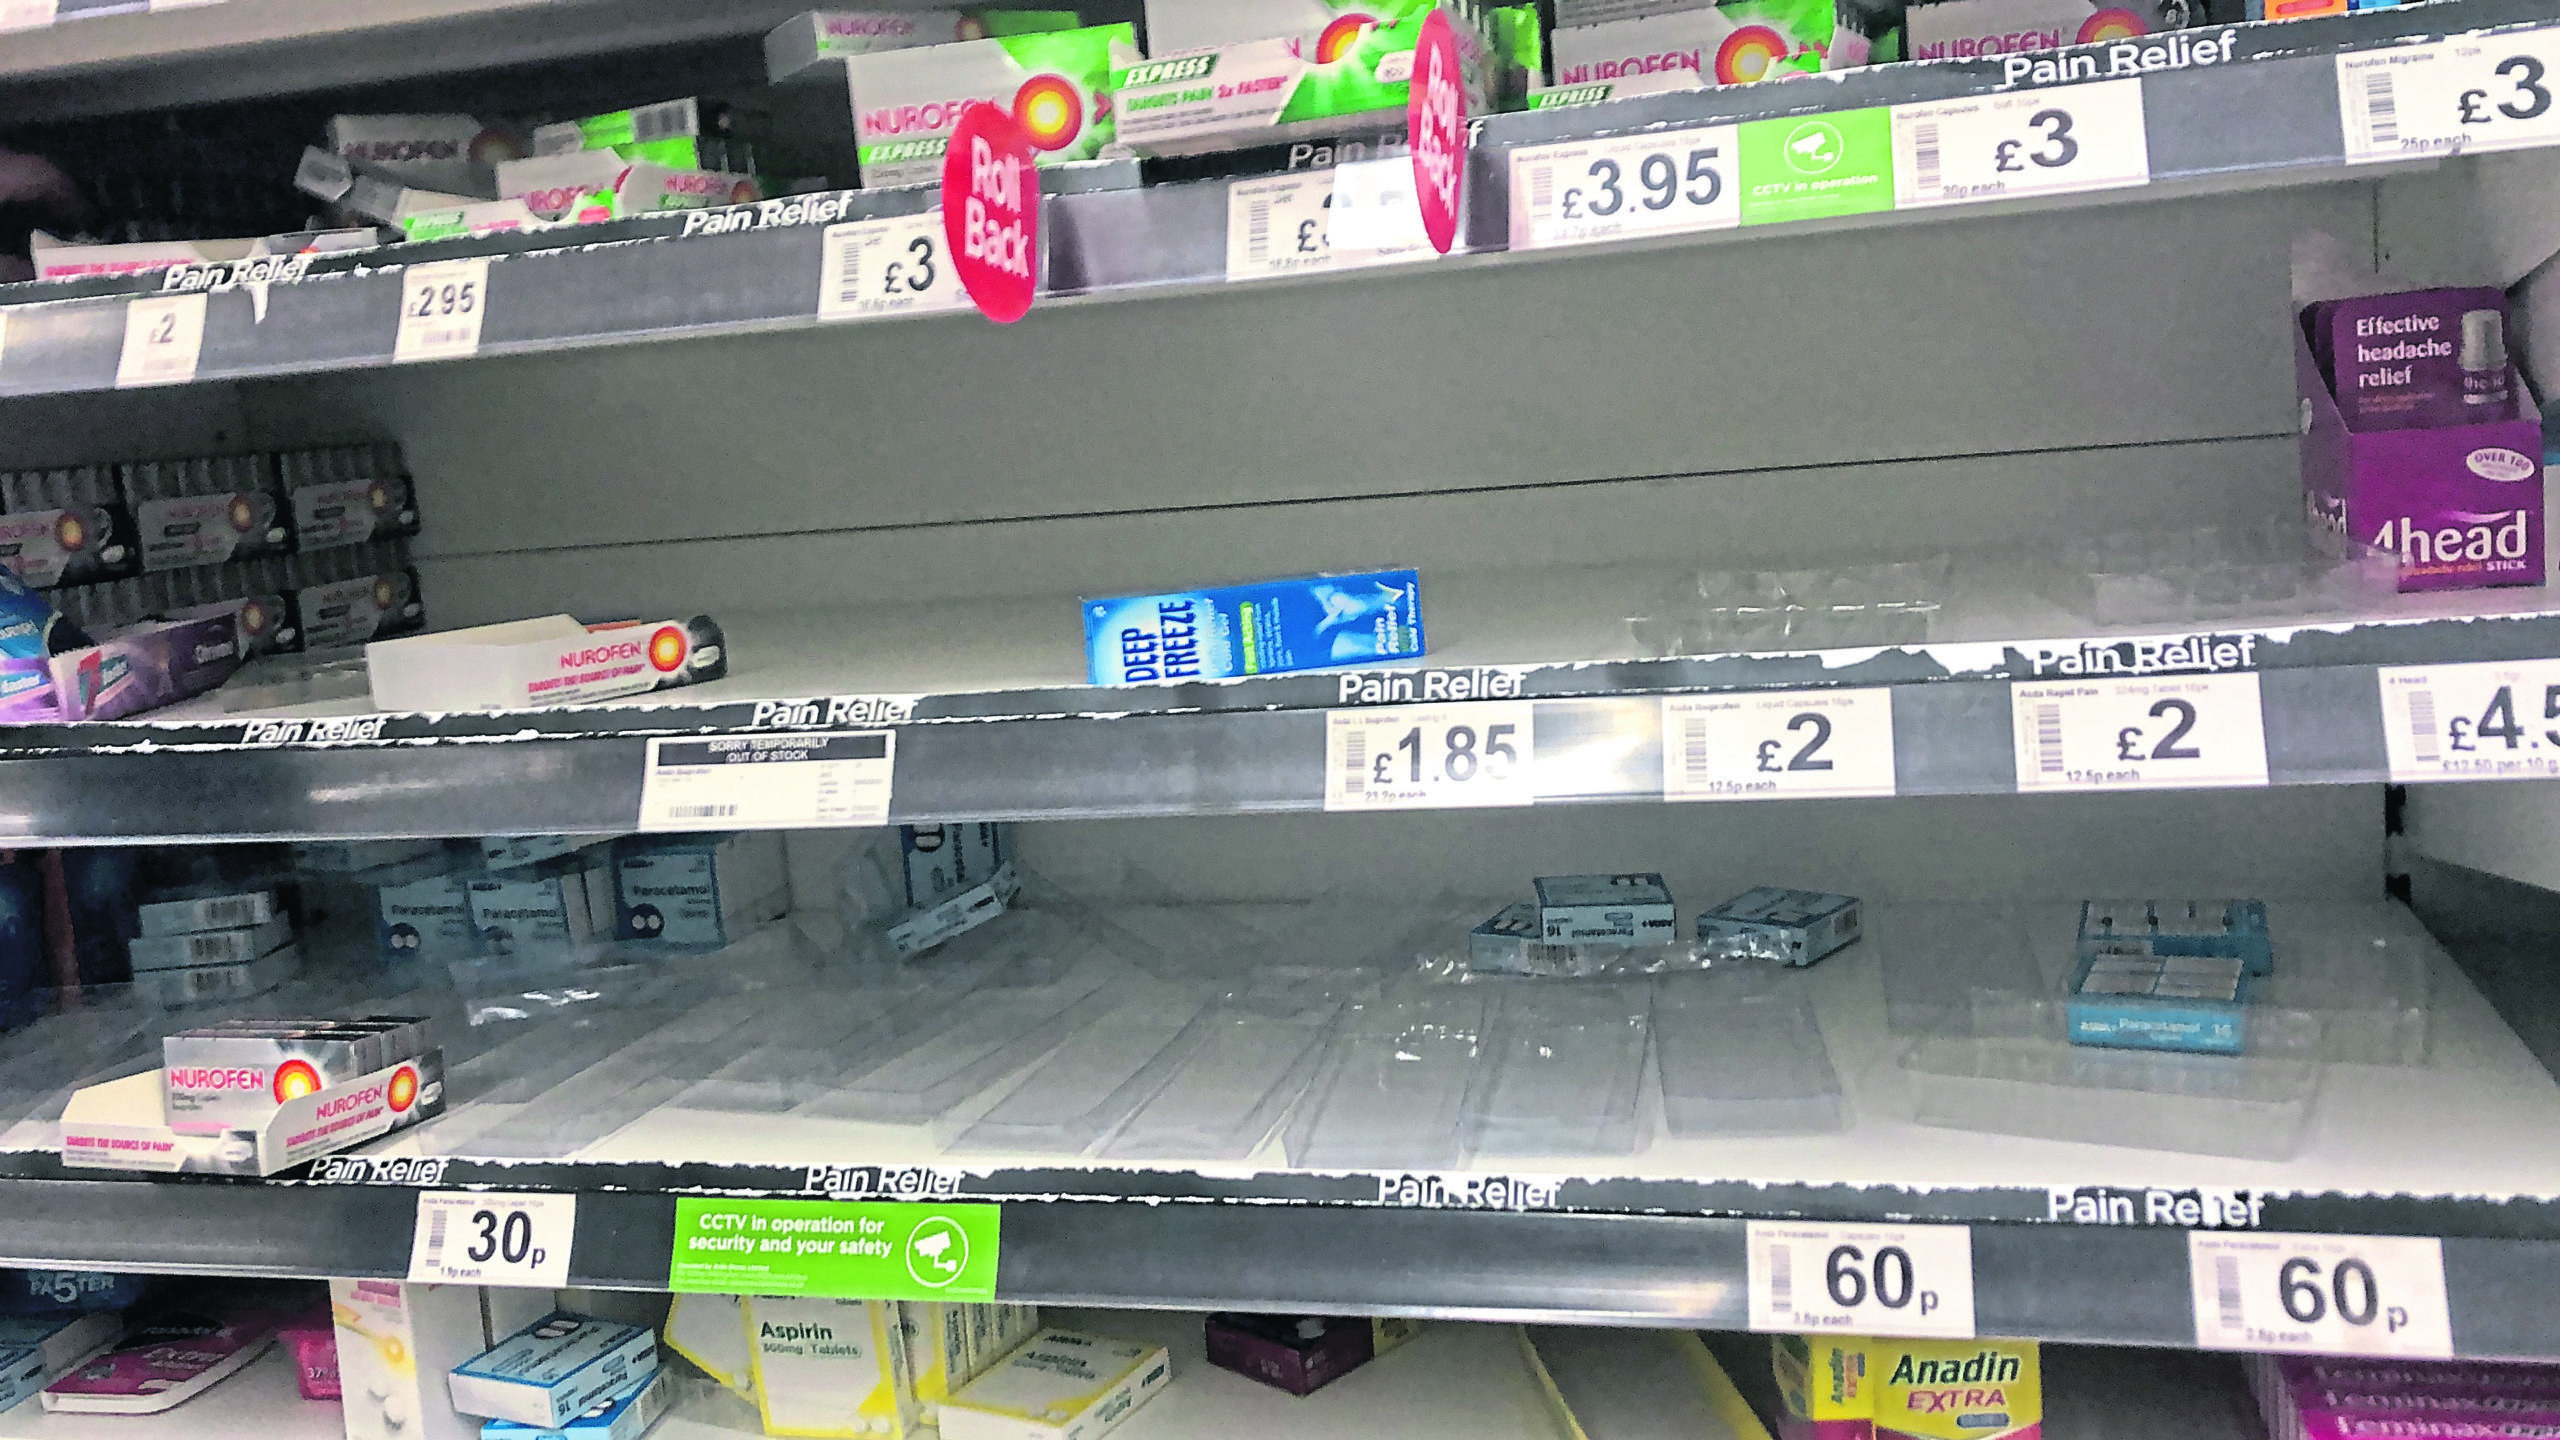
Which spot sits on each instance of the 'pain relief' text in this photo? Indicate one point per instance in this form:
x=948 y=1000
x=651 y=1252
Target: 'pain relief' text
x=1400 y=687
x=2178 y=655
x=352 y=730
x=2181 y=1209
x=2176 y=50
x=833 y=710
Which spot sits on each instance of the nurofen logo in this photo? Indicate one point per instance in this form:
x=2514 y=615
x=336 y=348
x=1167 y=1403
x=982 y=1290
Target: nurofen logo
x=1341 y=35
x=295 y=1079
x=210 y=1077
x=243 y=513
x=71 y=532
x=667 y=649
x=1049 y=111
x=403 y=1089
x=2111 y=23
x=933 y=116
x=601 y=654
x=1748 y=54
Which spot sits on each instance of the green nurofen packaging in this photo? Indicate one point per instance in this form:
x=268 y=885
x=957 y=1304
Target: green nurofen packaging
x=907 y=102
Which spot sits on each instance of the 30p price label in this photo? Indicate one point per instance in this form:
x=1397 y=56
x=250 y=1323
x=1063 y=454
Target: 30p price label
x=2454 y=95
x=1997 y=147
x=896 y=266
x=1861 y=1279
x=1777 y=745
x=163 y=338
x=487 y=1239
x=2320 y=1294
x=441 y=307
x=2164 y=732
x=1431 y=757
x=2497 y=720
x=1287 y=224
x=1625 y=187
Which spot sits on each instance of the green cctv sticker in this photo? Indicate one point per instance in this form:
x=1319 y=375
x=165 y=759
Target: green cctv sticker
x=1812 y=167
x=842 y=1250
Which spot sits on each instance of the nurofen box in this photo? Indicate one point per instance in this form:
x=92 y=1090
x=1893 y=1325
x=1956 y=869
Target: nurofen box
x=1354 y=72
x=1060 y=1385
x=1307 y=623
x=348 y=495
x=815 y=45
x=352 y=596
x=235 y=1077
x=1727 y=44
x=831 y=1367
x=207 y=510
x=66 y=527
x=1961 y=29
x=124 y=1125
x=549 y=1372
x=907 y=102
x=1605 y=910
x=427 y=152
x=553 y=660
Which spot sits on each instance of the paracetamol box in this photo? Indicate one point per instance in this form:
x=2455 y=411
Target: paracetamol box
x=1808 y=924
x=1506 y=941
x=626 y=1415
x=563 y=904
x=1605 y=910
x=906 y=102
x=1307 y=623
x=831 y=1367
x=1060 y=1385
x=422 y=911
x=2236 y=929
x=188 y=914
x=551 y=1371
x=697 y=892
x=516 y=852
x=210 y=947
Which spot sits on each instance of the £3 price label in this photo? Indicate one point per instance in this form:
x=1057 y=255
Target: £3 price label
x=2045 y=142
x=464 y=1238
x=1430 y=757
x=163 y=336
x=2164 y=732
x=1861 y=1279
x=2319 y=1294
x=2498 y=720
x=2496 y=93
x=1777 y=745
x=1284 y=225
x=894 y=266
x=1625 y=187
x=441 y=307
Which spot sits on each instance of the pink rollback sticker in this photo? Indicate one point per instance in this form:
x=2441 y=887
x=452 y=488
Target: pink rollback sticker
x=991 y=211
x=1435 y=124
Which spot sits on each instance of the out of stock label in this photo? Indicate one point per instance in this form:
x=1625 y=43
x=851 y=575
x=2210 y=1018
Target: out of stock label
x=163 y=336
x=1626 y=187
x=768 y=782
x=2320 y=1294
x=2000 y=147
x=464 y=1238
x=1809 y=1278
x=2498 y=720
x=1431 y=757
x=1777 y=745
x=839 y=1249
x=2165 y=732
x=1284 y=225
x=2408 y=102
x=441 y=307
x=896 y=266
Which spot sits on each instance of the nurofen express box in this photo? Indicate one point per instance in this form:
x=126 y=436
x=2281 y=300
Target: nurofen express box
x=1308 y=623
x=831 y=1367
x=66 y=527
x=1961 y=29
x=814 y=46
x=626 y=1415
x=551 y=1371
x=1805 y=924
x=36 y=1350
x=427 y=152
x=1605 y=910
x=531 y=664
x=207 y=511
x=1728 y=44
x=680 y=134
x=123 y=1125
x=907 y=102
x=697 y=892
x=1354 y=72
x=1060 y=1385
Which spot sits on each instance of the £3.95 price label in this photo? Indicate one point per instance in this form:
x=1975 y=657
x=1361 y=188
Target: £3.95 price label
x=768 y=782
x=1861 y=1279
x=441 y=306
x=472 y=1239
x=1285 y=226
x=887 y=267
x=1625 y=187
x=163 y=336
x=2499 y=720
x=1430 y=757
x=2470 y=94
x=2164 y=732
x=1777 y=745
x=2319 y=1294
x=2045 y=142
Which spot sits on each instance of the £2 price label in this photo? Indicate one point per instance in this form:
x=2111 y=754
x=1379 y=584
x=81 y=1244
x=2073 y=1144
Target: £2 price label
x=2045 y=142
x=2320 y=1294
x=2161 y=732
x=441 y=307
x=895 y=266
x=163 y=336
x=1806 y=1277
x=464 y=1238
x=1777 y=745
x=2497 y=720
x=1623 y=188
x=2496 y=93
x=1431 y=757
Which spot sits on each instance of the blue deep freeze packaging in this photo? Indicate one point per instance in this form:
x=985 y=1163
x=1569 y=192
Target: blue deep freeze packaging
x=1307 y=623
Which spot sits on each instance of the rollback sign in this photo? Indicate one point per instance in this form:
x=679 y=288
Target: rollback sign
x=991 y=211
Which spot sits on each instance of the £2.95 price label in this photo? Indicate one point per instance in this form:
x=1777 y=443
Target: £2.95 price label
x=1431 y=757
x=2319 y=1294
x=1861 y=1279
x=441 y=307
x=769 y=782
x=2045 y=142
x=465 y=1238
x=163 y=336
x=1777 y=745
x=1624 y=187
x=1283 y=225
x=887 y=267
x=2497 y=720
x=2400 y=103
x=2163 y=732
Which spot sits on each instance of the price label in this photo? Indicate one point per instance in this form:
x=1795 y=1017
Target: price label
x=441 y=306
x=768 y=782
x=2453 y=95
x=887 y=267
x=1861 y=1279
x=1285 y=226
x=469 y=1239
x=1626 y=187
x=25 y=14
x=2167 y=732
x=163 y=336
x=1777 y=746
x=1994 y=147
x=1431 y=757
x=2499 y=720
x=1374 y=209
x=2319 y=1294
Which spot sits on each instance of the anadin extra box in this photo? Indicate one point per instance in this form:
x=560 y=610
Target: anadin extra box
x=1843 y=1387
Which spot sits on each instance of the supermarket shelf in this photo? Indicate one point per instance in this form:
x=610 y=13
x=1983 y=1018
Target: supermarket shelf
x=258 y=1403
x=2264 y=112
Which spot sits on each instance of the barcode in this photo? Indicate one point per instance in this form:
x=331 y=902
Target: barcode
x=211 y=949
x=1257 y=232
x=1355 y=763
x=435 y=1237
x=2226 y=1292
x=1542 y=188
x=1924 y=155
x=657 y=122
x=1693 y=748
x=431 y=339
x=2422 y=725
x=1782 y=1279
x=701 y=812
x=2048 y=739
x=849 y=270
x=2381 y=108
x=236 y=910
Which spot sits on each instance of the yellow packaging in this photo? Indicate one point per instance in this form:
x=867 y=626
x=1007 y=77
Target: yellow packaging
x=831 y=1368
x=711 y=1331
x=1844 y=1387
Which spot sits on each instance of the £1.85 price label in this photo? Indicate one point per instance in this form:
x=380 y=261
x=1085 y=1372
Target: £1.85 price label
x=1860 y=1279
x=1777 y=745
x=1284 y=225
x=1431 y=757
x=2404 y=102
x=2498 y=720
x=2162 y=732
x=896 y=266
x=2044 y=142
x=1624 y=187
x=467 y=1238
x=2319 y=1294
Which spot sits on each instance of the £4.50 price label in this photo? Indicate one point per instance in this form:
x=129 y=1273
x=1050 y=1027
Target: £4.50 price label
x=769 y=782
x=2498 y=720
x=2469 y=94
x=464 y=1238
x=163 y=336
x=1431 y=757
x=887 y=267
x=2164 y=732
x=1284 y=225
x=2319 y=1294
x=1624 y=187
x=1861 y=1279
x=441 y=306
x=1777 y=745
x=2045 y=142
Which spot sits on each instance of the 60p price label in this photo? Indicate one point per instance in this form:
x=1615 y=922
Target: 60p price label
x=464 y=1238
x=2453 y=95
x=2320 y=1294
x=2045 y=142
x=1624 y=187
x=2139 y=734
x=1431 y=757
x=1861 y=1279
x=2498 y=720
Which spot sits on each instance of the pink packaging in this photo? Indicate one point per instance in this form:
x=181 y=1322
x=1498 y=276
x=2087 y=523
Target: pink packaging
x=172 y=1353
x=313 y=1339
x=2317 y=1398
